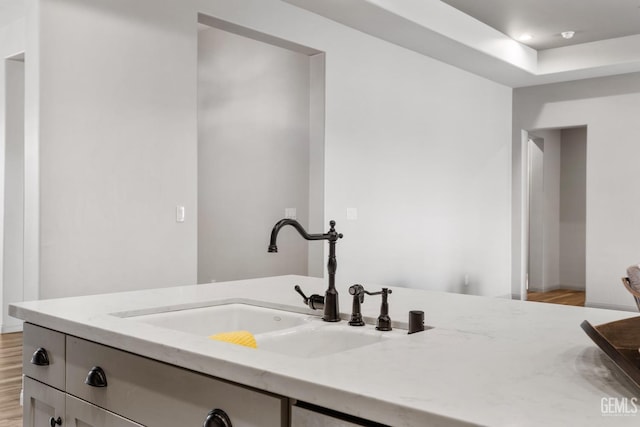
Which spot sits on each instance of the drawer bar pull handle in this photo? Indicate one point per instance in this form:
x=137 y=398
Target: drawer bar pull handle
x=96 y=377
x=40 y=357
x=217 y=418
x=53 y=422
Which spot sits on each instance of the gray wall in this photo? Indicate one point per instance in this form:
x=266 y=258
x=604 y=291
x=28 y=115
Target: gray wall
x=573 y=208
x=253 y=156
x=610 y=108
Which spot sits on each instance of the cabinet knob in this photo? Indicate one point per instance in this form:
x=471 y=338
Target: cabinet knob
x=40 y=357
x=96 y=377
x=53 y=422
x=217 y=418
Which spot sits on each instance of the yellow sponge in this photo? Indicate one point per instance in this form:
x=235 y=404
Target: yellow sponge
x=245 y=338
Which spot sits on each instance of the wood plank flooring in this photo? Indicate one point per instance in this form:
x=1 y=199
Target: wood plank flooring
x=559 y=296
x=10 y=379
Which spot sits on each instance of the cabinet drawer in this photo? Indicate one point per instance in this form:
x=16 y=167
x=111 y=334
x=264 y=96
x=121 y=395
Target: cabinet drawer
x=308 y=415
x=41 y=403
x=53 y=344
x=156 y=394
x=83 y=414
x=301 y=417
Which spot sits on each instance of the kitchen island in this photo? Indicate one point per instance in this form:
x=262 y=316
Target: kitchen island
x=486 y=361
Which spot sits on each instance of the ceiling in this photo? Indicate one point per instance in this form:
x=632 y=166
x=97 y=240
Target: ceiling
x=478 y=35
x=10 y=10
x=545 y=19
x=482 y=40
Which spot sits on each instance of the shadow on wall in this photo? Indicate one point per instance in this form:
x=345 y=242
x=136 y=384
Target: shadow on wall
x=623 y=84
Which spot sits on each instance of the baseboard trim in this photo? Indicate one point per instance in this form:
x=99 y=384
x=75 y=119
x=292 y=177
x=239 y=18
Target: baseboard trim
x=617 y=307
x=570 y=287
x=557 y=287
x=9 y=329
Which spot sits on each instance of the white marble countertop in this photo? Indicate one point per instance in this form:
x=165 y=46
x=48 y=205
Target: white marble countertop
x=487 y=361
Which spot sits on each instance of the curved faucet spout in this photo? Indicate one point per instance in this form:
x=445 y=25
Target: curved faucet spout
x=331 y=311
x=273 y=247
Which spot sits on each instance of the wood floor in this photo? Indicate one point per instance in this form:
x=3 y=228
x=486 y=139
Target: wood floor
x=559 y=296
x=10 y=379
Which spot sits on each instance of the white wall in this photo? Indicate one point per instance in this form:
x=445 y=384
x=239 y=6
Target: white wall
x=549 y=211
x=552 y=196
x=253 y=156
x=610 y=108
x=536 y=215
x=420 y=148
x=32 y=109
x=117 y=145
x=11 y=137
x=572 y=208
x=316 y=254
x=12 y=278
x=545 y=212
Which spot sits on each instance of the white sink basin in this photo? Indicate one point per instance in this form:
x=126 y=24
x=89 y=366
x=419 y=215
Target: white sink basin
x=317 y=340
x=276 y=331
x=215 y=319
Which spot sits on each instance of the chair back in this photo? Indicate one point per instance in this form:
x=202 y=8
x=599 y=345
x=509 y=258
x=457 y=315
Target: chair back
x=636 y=295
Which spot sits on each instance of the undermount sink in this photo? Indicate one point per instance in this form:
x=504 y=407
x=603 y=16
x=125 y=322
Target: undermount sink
x=215 y=319
x=276 y=331
x=322 y=339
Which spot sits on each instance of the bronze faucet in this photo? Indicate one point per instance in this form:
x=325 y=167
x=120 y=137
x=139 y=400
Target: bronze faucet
x=330 y=303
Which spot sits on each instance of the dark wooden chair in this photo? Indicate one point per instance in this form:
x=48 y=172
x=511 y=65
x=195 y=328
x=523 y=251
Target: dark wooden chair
x=636 y=295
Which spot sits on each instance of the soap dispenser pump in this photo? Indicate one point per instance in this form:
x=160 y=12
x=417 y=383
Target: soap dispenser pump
x=384 y=321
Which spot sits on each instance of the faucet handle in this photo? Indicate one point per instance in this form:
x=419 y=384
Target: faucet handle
x=332 y=231
x=384 y=292
x=315 y=301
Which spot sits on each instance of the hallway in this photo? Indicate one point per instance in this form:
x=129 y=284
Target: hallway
x=559 y=296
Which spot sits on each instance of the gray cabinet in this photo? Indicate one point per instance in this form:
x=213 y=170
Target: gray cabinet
x=48 y=365
x=162 y=395
x=130 y=390
x=302 y=417
x=83 y=414
x=41 y=404
x=138 y=391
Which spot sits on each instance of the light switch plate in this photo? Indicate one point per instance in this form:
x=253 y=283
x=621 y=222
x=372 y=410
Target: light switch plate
x=290 y=213
x=179 y=213
x=352 y=214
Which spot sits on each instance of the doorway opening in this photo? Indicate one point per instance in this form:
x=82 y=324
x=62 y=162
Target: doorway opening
x=556 y=226
x=13 y=220
x=260 y=152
